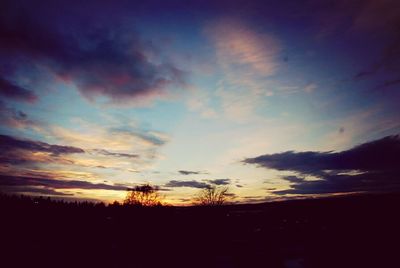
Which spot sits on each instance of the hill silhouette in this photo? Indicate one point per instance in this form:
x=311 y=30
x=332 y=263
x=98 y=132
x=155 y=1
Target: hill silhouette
x=347 y=231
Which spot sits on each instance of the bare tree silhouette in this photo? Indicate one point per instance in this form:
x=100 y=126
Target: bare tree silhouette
x=212 y=196
x=143 y=195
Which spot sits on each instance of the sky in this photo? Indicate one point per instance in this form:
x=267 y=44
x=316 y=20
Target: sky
x=273 y=99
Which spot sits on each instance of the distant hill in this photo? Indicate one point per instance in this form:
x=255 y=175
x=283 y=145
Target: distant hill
x=346 y=231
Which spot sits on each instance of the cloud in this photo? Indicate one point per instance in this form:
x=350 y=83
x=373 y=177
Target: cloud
x=188 y=172
x=38 y=171
x=17 y=153
x=246 y=58
x=197 y=184
x=231 y=195
x=254 y=198
x=12 y=91
x=388 y=83
x=9 y=144
x=329 y=184
x=94 y=136
x=190 y=184
x=107 y=146
x=34 y=190
x=380 y=19
x=377 y=155
x=9 y=180
x=96 y=54
x=373 y=22
x=200 y=101
x=220 y=181
x=310 y=88
x=39 y=159
x=240 y=46
x=151 y=137
x=108 y=153
x=87 y=148
x=14 y=118
x=371 y=166
x=293 y=179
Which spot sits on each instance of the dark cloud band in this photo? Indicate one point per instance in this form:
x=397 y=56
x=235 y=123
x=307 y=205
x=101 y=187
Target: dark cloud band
x=12 y=91
x=9 y=180
x=372 y=166
x=9 y=144
x=372 y=156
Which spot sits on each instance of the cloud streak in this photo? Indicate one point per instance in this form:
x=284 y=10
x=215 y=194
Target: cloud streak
x=188 y=172
x=8 y=180
x=15 y=118
x=197 y=184
x=10 y=144
x=108 y=153
x=190 y=184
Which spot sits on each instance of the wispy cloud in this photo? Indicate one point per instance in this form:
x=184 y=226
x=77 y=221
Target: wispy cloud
x=95 y=136
x=122 y=149
x=238 y=45
x=15 y=118
x=246 y=58
x=190 y=184
x=310 y=87
x=200 y=101
x=189 y=172
x=108 y=153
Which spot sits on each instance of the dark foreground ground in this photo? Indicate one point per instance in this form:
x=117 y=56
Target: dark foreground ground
x=357 y=231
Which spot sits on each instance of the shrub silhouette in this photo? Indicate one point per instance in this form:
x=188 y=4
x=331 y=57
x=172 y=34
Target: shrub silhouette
x=143 y=195
x=212 y=196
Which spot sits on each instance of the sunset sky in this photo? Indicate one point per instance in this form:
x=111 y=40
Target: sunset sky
x=273 y=99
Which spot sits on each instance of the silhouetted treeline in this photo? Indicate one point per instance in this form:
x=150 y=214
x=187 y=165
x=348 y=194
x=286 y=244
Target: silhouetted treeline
x=352 y=231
